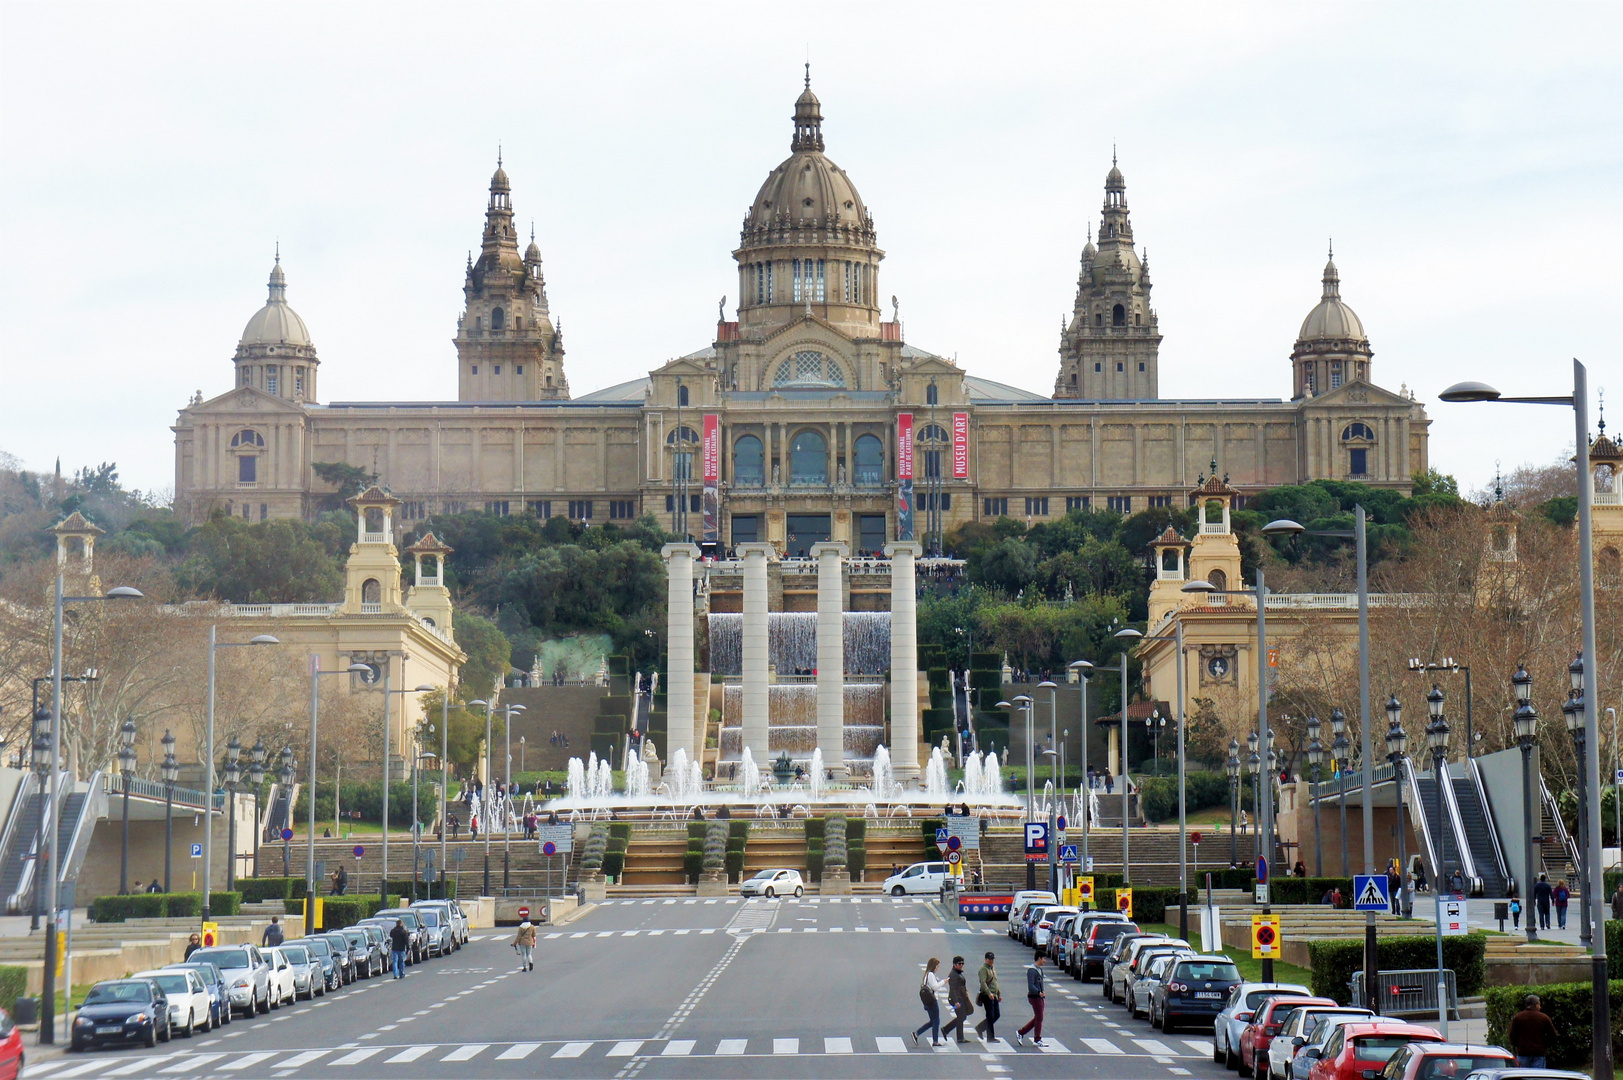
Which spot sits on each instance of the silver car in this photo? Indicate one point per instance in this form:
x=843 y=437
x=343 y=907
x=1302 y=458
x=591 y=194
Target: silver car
x=453 y=932
x=309 y=978
x=246 y=975
x=1243 y=1001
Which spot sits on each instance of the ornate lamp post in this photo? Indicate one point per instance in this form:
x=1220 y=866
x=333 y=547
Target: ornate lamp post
x=1232 y=766
x=1526 y=731
x=484 y=802
x=126 y=766
x=285 y=774
x=1253 y=765
x=42 y=766
x=233 y=776
x=1155 y=722
x=1573 y=709
x=171 y=773
x=1341 y=747
x=1437 y=743
x=1397 y=742
x=256 y=777
x=1023 y=702
x=1315 y=757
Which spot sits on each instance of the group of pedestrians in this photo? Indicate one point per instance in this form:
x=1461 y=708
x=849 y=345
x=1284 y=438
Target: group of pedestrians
x=953 y=992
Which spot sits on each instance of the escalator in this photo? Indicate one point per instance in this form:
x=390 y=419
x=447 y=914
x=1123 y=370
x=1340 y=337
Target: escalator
x=17 y=844
x=1420 y=799
x=1481 y=835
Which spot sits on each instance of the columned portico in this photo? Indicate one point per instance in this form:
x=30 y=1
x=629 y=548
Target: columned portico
x=831 y=654
x=754 y=650
x=904 y=660
x=679 y=646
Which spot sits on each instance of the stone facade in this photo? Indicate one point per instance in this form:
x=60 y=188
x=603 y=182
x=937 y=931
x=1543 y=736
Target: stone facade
x=809 y=385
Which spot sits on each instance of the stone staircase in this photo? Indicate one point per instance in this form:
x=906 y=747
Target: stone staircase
x=1154 y=853
x=654 y=853
x=529 y=872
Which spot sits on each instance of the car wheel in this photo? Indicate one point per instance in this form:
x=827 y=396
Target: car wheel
x=191 y=1025
x=1167 y=1026
x=78 y=1046
x=769 y=894
x=265 y=1006
x=1217 y=1055
x=898 y=891
x=1231 y=1060
x=1242 y=1068
x=152 y=1036
x=168 y=1033
x=800 y=890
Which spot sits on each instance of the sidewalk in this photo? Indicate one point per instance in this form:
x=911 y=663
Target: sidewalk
x=1479 y=916
x=17 y=925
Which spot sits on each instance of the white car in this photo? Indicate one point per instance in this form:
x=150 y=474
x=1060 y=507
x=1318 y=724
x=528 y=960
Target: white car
x=1043 y=932
x=246 y=974
x=189 y=1005
x=1293 y=1036
x=1243 y=1001
x=770 y=883
x=1022 y=900
x=921 y=877
x=284 y=984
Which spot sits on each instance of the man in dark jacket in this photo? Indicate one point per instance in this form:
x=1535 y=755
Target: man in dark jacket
x=1542 y=893
x=958 y=998
x=1530 y=1035
x=399 y=942
x=990 y=997
x=273 y=935
x=1036 y=995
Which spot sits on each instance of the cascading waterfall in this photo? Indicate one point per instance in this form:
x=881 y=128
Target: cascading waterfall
x=792 y=642
x=749 y=773
x=935 y=774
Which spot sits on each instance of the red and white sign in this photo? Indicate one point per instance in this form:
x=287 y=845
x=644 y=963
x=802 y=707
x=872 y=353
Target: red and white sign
x=960 y=446
x=904 y=446
x=712 y=449
x=524 y=913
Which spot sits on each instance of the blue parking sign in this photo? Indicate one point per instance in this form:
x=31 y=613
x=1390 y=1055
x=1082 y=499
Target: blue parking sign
x=1036 y=838
x=197 y=851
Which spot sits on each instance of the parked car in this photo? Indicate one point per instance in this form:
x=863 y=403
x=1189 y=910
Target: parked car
x=439 y=931
x=122 y=1010
x=1293 y=1035
x=1194 y=989
x=770 y=883
x=1034 y=914
x=246 y=975
x=321 y=950
x=1075 y=933
x=377 y=932
x=452 y=933
x=1042 y=931
x=1519 y=1073
x=1319 y=1034
x=460 y=919
x=190 y=1006
x=1017 y=907
x=1141 y=974
x=371 y=963
x=350 y=960
x=1118 y=951
x=923 y=877
x=308 y=978
x=1266 y=1020
x=1094 y=942
x=1236 y=1014
x=219 y=995
x=1444 y=1061
x=284 y=983
x=11 y=1048
x=419 y=932
x=1128 y=967
x=1363 y=1051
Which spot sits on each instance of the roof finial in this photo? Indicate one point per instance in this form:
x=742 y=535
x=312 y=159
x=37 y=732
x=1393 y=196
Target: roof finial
x=278 y=251
x=1601 y=393
x=808 y=74
x=532 y=230
x=1498 y=483
x=1332 y=248
x=1112 y=152
x=498 y=154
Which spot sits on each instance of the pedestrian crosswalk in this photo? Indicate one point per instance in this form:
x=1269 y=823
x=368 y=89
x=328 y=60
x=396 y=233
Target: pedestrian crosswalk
x=813 y=900
x=337 y=1059
x=739 y=928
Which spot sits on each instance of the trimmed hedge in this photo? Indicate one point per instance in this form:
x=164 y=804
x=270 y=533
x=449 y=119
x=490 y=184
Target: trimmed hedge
x=817 y=828
x=113 y=909
x=1292 y=890
x=13 y=985
x=1149 y=903
x=814 y=863
x=1569 y=1006
x=1333 y=962
x=927 y=829
x=254 y=890
x=614 y=863
x=856 y=830
x=620 y=830
x=856 y=859
x=735 y=864
x=338 y=912
x=696 y=831
x=738 y=830
x=692 y=864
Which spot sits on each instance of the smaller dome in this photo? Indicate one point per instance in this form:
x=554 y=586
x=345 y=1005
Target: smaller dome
x=275 y=323
x=498 y=181
x=532 y=253
x=1331 y=319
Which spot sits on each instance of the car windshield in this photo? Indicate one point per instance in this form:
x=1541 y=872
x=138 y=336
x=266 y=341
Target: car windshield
x=358 y=937
x=1382 y=1047
x=223 y=959
x=111 y=993
x=764 y=875
x=432 y=918
x=319 y=946
x=1208 y=971
x=1452 y=1066
x=296 y=954
x=1257 y=997
x=172 y=984
x=1101 y=932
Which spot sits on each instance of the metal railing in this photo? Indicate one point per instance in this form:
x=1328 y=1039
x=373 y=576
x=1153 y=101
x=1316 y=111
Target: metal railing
x=1417 y=813
x=278 y=611
x=1462 y=842
x=190 y=798
x=1410 y=992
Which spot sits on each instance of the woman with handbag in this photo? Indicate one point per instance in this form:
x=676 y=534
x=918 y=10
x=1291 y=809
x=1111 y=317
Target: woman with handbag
x=932 y=992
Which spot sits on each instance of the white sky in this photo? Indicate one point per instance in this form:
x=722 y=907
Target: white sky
x=1463 y=156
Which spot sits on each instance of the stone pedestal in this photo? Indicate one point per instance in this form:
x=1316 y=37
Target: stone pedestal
x=831 y=655
x=713 y=883
x=904 y=661
x=679 y=647
x=754 y=648
x=593 y=886
x=836 y=882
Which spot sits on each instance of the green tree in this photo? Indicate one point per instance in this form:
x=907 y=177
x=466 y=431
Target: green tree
x=350 y=480
x=1011 y=566
x=488 y=653
x=271 y=562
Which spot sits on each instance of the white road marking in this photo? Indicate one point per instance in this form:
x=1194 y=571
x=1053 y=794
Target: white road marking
x=1103 y=1046
x=948 y=1047
x=138 y=1065
x=187 y=1065
x=355 y=1057
x=730 y=1047
x=625 y=1048
x=678 y=1048
x=998 y=1046
x=786 y=1046
x=302 y=1059
x=1200 y=1046
x=248 y=1061
x=1156 y=1046
x=1054 y=1046
x=572 y=1050
x=890 y=1044
x=518 y=1051
x=836 y=1046
x=466 y=1053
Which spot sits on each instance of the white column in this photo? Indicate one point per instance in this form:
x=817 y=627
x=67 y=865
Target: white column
x=755 y=651
x=831 y=654
x=904 y=660
x=679 y=647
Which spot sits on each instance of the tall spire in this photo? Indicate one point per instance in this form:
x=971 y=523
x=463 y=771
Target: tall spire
x=808 y=120
x=1332 y=279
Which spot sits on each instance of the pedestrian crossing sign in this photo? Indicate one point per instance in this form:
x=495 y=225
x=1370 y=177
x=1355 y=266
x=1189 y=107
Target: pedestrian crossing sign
x=1369 y=893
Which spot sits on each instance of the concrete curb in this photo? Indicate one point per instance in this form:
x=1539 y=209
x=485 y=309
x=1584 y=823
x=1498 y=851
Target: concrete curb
x=571 y=916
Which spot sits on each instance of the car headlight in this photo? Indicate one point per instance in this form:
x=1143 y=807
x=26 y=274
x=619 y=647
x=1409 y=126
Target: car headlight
x=138 y=1018
x=240 y=984
x=84 y=1021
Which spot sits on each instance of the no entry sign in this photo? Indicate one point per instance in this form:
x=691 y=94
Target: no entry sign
x=524 y=913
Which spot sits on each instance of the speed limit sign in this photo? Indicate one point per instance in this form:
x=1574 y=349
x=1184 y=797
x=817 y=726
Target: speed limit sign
x=954 y=858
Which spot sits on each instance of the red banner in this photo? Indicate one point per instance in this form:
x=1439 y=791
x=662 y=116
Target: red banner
x=960 y=446
x=904 y=446
x=712 y=449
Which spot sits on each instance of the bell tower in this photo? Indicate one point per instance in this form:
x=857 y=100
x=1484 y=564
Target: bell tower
x=1215 y=554
x=372 y=572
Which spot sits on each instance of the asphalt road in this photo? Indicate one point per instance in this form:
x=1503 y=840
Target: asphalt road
x=684 y=989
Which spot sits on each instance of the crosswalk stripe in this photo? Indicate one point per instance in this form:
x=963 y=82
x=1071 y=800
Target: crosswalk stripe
x=1199 y=1046
x=188 y=1064
x=1054 y=1046
x=890 y=1044
x=1156 y=1046
x=518 y=1051
x=572 y=1050
x=606 y=933
x=625 y=1048
x=467 y=1052
x=78 y=1070
x=679 y=933
x=355 y=1057
x=836 y=1046
x=948 y=1047
x=678 y=1048
x=786 y=1046
x=554 y=934
x=999 y=1046
x=410 y=1053
x=1103 y=1046
x=731 y=1047
x=138 y=1065
x=247 y=1061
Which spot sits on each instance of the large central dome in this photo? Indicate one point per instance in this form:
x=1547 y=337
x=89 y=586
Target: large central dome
x=808 y=191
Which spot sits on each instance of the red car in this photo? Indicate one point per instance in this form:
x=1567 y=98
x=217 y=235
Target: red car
x=1361 y=1051
x=1445 y=1061
x=1265 y=1024
x=11 y=1048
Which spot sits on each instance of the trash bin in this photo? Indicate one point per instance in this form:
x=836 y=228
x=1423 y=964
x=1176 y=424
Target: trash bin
x=26 y=1011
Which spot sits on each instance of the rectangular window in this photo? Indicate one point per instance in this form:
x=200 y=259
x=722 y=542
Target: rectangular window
x=746 y=528
x=520 y=370
x=541 y=508
x=795 y=275
x=995 y=508
x=1122 y=504
x=933 y=501
x=498 y=370
x=264 y=512
x=862 y=286
x=247 y=470
x=476 y=369
x=247 y=514
x=1118 y=365
x=298 y=382
x=270 y=379
x=622 y=509
x=1097 y=368
x=760 y=283
x=683 y=467
x=822 y=291
x=497 y=507
x=1335 y=374
x=695 y=504
x=1076 y=502
x=1141 y=366
x=848 y=282
x=1160 y=501
x=580 y=509
x=247 y=376
x=1358 y=462
x=769 y=281
x=870 y=534
x=1037 y=507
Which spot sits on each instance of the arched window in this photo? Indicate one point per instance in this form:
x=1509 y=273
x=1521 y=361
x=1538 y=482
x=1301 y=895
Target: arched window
x=1118 y=316
x=371 y=591
x=808 y=459
x=1357 y=430
x=1218 y=579
x=749 y=463
x=681 y=396
x=808 y=369
x=682 y=442
x=930 y=396
x=869 y=460
x=247 y=437
x=932 y=443
x=498 y=318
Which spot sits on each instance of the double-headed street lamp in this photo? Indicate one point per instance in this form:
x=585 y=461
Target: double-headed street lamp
x=286 y=774
x=256 y=779
x=1526 y=733
x=126 y=768
x=416 y=826
x=1573 y=710
x=1023 y=703
x=1451 y=665
x=1232 y=767
x=1253 y=765
x=171 y=772
x=1397 y=744
x=1156 y=722
x=1341 y=748
x=1080 y=674
x=1437 y=732
x=508 y=711
x=1315 y=758
x=215 y=645
x=355 y=669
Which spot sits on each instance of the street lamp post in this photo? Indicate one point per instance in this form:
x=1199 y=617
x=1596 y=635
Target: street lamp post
x=1600 y=1023
x=1315 y=757
x=1341 y=747
x=1451 y=665
x=355 y=669
x=42 y=766
x=1437 y=743
x=1526 y=733
x=1081 y=669
x=171 y=773
x=1397 y=742
x=1054 y=779
x=508 y=711
x=1023 y=703
x=1156 y=721
x=1127 y=633
x=1253 y=765
x=1232 y=766
x=215 y=645
x=286 y=775
x=1573 y=710
x=484 y=804
x=256 y=778
x=126 y=766
x=233 y=776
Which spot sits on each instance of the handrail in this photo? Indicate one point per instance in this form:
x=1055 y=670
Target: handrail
x=25 y=881
x=151 y=789
x=1552 y=809
x=1456 y=821
x=1475 y=778
x=24 y=790
x=91 y=810
x=1419 y=815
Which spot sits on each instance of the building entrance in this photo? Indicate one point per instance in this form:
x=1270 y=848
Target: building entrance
x=804 y=530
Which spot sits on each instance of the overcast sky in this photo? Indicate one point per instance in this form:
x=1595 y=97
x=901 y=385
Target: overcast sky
x=1463 y=156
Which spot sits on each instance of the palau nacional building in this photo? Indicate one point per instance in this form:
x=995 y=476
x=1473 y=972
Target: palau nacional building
x=809 y=417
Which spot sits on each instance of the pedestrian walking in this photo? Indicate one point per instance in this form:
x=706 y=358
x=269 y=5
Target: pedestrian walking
x=990 y=998
x=524 y=944
x=399 y=941
x=194 y=943
x=1559 y=896
x=958 y=998
x=1036 y=995
x=1515 y=913
x=932 y=992
x=1110 y=784
x=340 y=881
x=1531 y=1034
x=1394 y=887
x=1617 y=902
x=1542 y=894
x=273 y=935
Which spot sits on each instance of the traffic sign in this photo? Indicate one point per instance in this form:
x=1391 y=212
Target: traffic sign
x=523 y=912
x=1262 y=869
x=941 y=838
x=1067 y=853
x=1262 y=893
x=211 y=934
x=1060 y=823
x=1124 y=902
x=1265 y=937
x=953 y=844
x=197 y=851
x=359 y=851
x=1194 y=838
x=1370 y=893
x=561 y=837
x=1084 y=888
x=1036 y=840
x=967 y=830
x=1451 y=918
x=549 y=848
x=953 y=858
x=287 y=834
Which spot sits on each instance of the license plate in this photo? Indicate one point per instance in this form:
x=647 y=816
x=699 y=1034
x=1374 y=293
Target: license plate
x=1208 y=994
x=109 y=1029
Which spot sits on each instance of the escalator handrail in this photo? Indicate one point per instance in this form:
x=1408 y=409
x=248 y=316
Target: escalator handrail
x=1417 y=813
x=1474 y=776
x=91 y=809
x=25 y=790
x=1456 y=821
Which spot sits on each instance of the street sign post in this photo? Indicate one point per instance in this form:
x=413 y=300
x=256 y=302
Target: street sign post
x=1262 y=869
x=1036 y=841
x=1124 y=902
x=287 y=834
x=197 y=851
x=1265 y=937
x=523 y=912
x=1262 y=893
x=1370 y=893
x=1084 y=889
x=548 y=848
x=1451 y=920
x=941 y=839
x=211 y=934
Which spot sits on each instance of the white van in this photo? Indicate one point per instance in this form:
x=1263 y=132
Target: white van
x=924 y=877
x=1022 y=900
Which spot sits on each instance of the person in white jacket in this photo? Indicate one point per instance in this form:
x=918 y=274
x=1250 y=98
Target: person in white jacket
x=932 y=992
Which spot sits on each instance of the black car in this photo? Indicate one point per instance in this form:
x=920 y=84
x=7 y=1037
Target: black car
x=1195 y=988
x=332 y=969
x=349 y=961
x=1101 y=935
x=122 y=1010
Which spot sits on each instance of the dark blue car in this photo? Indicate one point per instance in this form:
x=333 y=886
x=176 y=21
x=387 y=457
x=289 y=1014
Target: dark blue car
x=1195 y=989
x=122 y=1010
